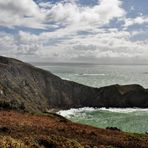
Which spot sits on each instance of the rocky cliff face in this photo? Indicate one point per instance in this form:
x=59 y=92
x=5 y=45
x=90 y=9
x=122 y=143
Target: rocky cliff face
x=24 y=86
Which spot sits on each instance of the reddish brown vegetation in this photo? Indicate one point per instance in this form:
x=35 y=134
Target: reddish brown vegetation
x=52 y=130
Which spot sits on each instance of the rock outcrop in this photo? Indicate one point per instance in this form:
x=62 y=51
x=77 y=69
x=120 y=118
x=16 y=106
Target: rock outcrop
x=24 y=86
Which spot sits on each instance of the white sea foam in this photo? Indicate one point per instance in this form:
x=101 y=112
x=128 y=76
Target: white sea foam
x=125 y=110
x=65 y=78
x=72 y=112
x=91 y=74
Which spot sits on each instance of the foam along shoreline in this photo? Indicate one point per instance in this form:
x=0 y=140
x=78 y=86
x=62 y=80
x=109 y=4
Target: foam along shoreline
x=133 y=120
x=74 y=111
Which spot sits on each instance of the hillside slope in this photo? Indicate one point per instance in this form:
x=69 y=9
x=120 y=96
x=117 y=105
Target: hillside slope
x=24 y=130
x=23 y=86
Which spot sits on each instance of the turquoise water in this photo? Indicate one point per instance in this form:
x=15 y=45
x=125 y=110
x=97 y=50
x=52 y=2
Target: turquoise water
x=130 y=120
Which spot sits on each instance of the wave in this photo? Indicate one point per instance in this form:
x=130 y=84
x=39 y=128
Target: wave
x=73 y=111
x=125 y=110
x=85 y=74
x=65 y=78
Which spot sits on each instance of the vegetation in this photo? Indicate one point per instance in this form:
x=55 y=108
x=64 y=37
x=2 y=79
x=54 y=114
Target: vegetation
x=11 y=105
x=21 y=130
x=8 y=142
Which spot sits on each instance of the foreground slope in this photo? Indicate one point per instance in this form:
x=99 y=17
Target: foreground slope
x=25 y=87
x=50 y=130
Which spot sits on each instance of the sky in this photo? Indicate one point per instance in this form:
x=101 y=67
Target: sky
x=91 y=31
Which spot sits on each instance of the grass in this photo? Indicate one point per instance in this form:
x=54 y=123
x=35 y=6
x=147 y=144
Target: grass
x=51 y=130
x=52 y=141
x=8 y=142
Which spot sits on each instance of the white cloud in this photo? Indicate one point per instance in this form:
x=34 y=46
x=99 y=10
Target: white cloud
x=72 y=14
x=81 y=37
x=20 y=13
x=30 y=14
x=8 y=45
x=109 y=43
x=138 y=20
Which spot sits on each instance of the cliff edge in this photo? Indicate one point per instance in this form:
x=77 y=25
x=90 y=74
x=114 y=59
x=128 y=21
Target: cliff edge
x=25 y=87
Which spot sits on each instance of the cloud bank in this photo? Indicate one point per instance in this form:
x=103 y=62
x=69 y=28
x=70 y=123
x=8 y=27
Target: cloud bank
x=70 y=31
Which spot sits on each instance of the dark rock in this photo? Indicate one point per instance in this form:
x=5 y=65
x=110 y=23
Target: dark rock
x=4 y=130
x=46 y=144
x=113 y=128
x=40 y=90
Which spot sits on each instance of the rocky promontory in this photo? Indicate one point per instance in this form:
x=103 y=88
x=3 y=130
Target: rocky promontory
x=27 y=92
x=25 y=87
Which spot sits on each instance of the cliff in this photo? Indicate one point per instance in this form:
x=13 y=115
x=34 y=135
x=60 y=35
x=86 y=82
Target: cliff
x=25 y=87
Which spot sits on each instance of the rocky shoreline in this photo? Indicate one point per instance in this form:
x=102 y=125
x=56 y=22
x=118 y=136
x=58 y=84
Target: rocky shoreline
x=27 y=93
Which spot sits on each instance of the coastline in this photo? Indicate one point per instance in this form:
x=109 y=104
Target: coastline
x=28 y=92
x=126 y=119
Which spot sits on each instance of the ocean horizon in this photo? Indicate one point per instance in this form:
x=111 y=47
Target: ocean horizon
x=99 y=75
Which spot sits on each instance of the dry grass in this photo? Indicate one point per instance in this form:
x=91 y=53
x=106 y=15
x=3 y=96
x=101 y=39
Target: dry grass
x=51 y=130
x=8 y=142
x=41 y=142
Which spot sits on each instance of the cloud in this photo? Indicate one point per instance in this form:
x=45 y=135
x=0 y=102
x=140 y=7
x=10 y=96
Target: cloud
x=20 y=13
x=138 y=20
x=28 y=13
x=79 y=32
x=111 y=44
x=8 y=45
x=108 y=43
x=70 y=13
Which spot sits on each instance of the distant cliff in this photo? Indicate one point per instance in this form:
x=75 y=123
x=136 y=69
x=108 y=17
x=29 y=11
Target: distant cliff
x=23 y=86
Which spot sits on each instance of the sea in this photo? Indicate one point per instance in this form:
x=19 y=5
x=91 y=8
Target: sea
x=129 y=119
